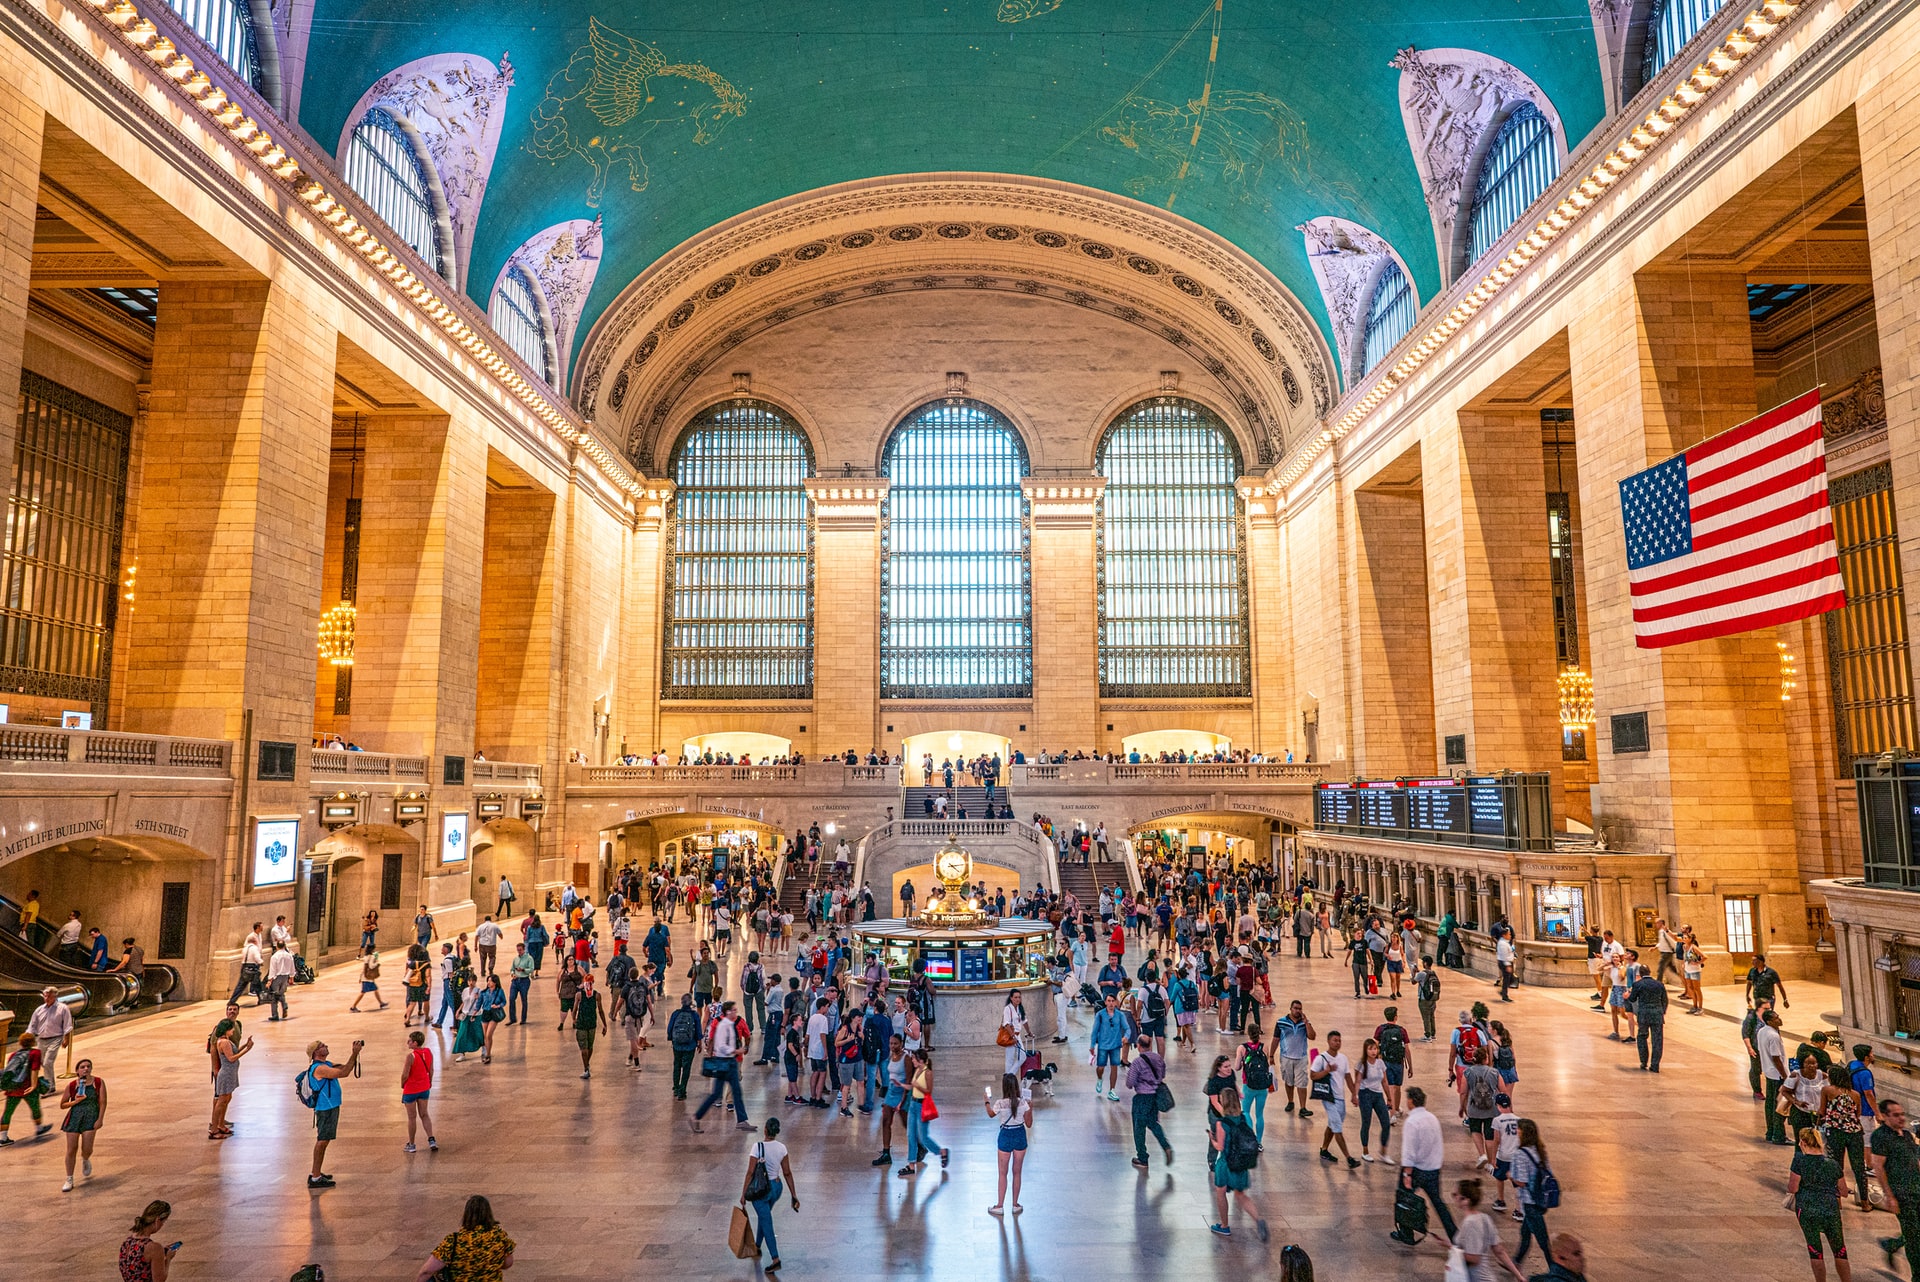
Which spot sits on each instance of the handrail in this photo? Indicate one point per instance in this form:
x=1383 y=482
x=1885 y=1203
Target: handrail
x=503 y=771
x=887 y=833
x=1132 y=861
x=825 y=774
x=345 y=763
x=1109 y=772
x=55 y=744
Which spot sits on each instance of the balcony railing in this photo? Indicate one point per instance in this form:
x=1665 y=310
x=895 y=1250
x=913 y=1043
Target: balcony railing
x=1103 y=772
x=109 y=752
x=335 y=763
x=822 y=775
x=508 y=773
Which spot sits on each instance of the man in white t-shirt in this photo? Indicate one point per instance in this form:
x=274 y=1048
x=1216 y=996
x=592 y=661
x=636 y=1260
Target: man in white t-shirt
x=1503 y=957
x=1773 y=1068
x=1333 y=1067
x=486 y=940
x=819 y=1027
x=1506 y=1134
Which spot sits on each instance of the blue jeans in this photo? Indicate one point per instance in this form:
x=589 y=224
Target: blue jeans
x=1533 y=1226
x=770 y=1044
x=763 y=1216
x=1373 y=1104
x=1254 y=1109
x=1428 y=1182
x=449 y=1005
x=730 y=1077
x=919 y=1141
x=517 y=992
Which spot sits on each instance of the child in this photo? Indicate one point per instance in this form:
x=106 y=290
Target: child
x=1506 y=1130
x=796 y=1050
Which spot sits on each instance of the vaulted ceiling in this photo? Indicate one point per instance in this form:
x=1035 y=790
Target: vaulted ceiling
x=666 y=118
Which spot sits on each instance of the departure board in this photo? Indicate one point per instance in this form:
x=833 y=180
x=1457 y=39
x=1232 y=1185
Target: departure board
x=1505 y=811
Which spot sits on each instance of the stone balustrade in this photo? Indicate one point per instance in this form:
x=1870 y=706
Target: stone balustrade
x=103 y=752
x=336 y=763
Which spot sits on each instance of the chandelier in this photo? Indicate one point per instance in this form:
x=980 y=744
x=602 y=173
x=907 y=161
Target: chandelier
x=1576 y=698
x=1789 y=674
x=336 y=635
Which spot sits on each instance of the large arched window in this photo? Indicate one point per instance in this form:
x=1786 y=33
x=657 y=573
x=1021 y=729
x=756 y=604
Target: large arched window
x=1389 y=316
x=1520 y=165
x=383 y=169
x=1670 y=25
x=1173 y=592
x=518 y=317
x=956 y=601
x=739 y=608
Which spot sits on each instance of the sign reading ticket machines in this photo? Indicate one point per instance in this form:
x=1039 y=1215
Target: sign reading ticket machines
x=453 y=837
x=276 y=845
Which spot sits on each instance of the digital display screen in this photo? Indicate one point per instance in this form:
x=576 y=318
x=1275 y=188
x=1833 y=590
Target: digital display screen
x=1437 y=806
x=276 y=845
x=453 y=837
x=1382 y=807
x=1487 y=806
x=1508 y=811
x=939 y=964
x=974 y=968
x=1333 y=806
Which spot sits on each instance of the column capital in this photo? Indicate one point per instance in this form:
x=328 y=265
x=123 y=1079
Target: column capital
x=846 y=503
x=655 y=494
x=1063 y=503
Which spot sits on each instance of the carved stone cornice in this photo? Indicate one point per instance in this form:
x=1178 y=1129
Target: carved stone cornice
x=849 y=505
x=1021 y=233
x=1063 y=504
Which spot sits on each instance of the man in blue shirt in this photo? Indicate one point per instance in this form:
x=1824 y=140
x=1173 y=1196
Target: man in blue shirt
x=1109 y=1034
x=323 y=1076
x=1292 y=1039
x=658 y=946
x=1112 y=975
x=97 y=952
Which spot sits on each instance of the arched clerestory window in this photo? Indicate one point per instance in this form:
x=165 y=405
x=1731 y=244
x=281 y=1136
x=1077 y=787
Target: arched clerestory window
x=382 y=166
x=1520 y=165
x=1670 y=25
x=1390 y=315
x=229 y=29
x=1172 y=556
x=956 y=601
x=739 y=595
x=518 y=317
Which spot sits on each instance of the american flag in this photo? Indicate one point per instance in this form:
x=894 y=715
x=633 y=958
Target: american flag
x=1735 y=534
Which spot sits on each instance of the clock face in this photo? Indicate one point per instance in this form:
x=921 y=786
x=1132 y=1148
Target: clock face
x=953 y=865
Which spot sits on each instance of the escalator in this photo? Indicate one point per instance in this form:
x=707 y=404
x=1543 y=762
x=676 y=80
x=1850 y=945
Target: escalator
x=25 y=968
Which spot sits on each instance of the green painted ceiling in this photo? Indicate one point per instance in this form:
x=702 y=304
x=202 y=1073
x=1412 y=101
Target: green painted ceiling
x=762 y=99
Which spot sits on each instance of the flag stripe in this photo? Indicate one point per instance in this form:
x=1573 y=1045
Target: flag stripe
x=1736 y=534
x=1738 y=619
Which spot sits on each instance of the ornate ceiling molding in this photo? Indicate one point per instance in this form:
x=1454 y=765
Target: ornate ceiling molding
x=563 y=260
x=1347 y=260
x=457 y=101
x=960 y=231
x=1449 y=101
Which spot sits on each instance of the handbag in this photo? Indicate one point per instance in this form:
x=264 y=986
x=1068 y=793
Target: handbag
x=1457 y=1266
x=759 y=1183
x=740 y=1236
x=1784 y=1105
x=928 y=1109
x=714 y=1066
x=1163 y=1098
x=1004 y=1038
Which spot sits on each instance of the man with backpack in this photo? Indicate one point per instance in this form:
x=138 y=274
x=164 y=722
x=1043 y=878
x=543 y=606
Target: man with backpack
x=1426 y=993
x=1396 y=1053
x=1292 y=1038
x=636 y=1005
x=1154 y=1025
x=319 y=1089
x=683 y=1033
x=726 y=1046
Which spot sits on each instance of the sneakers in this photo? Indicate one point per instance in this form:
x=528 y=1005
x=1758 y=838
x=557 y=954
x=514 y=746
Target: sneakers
x=410 y=1148
x=1499 y=1204
x=1221 y=1229
x=1353 y=1163
x=1306 y=1112
x=1140 y=1162
x=1289 y=1106
x=885 y=1158
x=319 y=1181
x=1327 y=1157
x=1368 y=1157
x=1168 y=1150
x=68 y=1186
x=433 y=1145
x=86 y=1168
x=1113 y=1095
x=1098 y=1090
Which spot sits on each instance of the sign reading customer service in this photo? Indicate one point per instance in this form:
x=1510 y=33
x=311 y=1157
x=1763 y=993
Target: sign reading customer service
x=276 y=847
x=453 y=837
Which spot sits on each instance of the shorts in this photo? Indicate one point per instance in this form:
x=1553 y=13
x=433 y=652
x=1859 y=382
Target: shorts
x=566 y=1004
x=414 y=1097
x=1509 y=1075
x=1103 y=1057
x=1396 y=968
x=1502 y=1169
x=1336 y=1111
x=1293 y=1073
x=1617 y=999
x=1155 y=1027
x=1013 y=1139
x=1594 y=965
x=1395 y=1074
x=896 y=1094
x=415 y=994
x=1184 y=1019
x=368 y=986
x=1482 y=1126
x=585 y=1036
x=326 y=1123
x=817 y=1065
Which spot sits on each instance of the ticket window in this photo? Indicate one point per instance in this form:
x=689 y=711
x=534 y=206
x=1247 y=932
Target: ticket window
x=1559 y=913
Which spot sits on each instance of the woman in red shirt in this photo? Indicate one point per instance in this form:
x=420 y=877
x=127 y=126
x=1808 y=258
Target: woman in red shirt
x=416 y=1084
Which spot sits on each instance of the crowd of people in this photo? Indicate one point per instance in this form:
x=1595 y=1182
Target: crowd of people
x=1196 y=953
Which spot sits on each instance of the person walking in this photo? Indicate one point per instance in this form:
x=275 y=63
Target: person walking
x=1478 y=1240
x=85 y=1104
x=322 y=1087
x=142 y=1258
x=52 y=1024
x=1144 y=1078
x=21 y=1078
x=761 y=1188
x=1333 y=1085
x=1422 y=1156
x=1843 y=1110
x=1255 y=1071
x=589 y=1013
x=1896 y=1161
x=492 y=1004
x=1014 y=1037
x=726 y=1046
x=466 y=1024
x=1426 y=995
x=921 y=1111
x=280 y=972
x=1774 y=1072
x=416 y=1088
x=1293 y=1037
x=486 y=942
x=1109 y=1035
x=1236 y=1155
x=369 y=980
x=478 y=1251
x=1648 y=997
x=418 y=973
x=1816 y=1185
x=520 y=973
x=1014 y=1112
x=683 y=1035
x=1530 y=1173
x=1370 y=1082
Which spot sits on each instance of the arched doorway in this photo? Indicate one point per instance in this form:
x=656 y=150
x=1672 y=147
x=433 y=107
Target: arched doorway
x=352 y=871
x=744 y=746
x=1193 y=743
x=508 y=848
x=951 y=745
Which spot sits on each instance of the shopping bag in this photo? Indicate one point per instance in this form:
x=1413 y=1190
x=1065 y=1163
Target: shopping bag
x=740 y=1236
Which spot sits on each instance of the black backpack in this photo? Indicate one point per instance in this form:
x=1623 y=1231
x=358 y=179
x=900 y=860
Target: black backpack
x=750 y=982
x=1243 y=1150
x=1393 y=1044
x=1258 y=1068
x=636 y=999
x=1427 y=984
x=1156 y=1005
x=683 y=1030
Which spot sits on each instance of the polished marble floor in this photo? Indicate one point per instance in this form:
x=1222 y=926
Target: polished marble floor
x=1664 y=1176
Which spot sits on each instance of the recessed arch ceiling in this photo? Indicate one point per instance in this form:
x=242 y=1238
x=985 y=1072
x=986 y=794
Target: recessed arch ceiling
x=667 y=118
